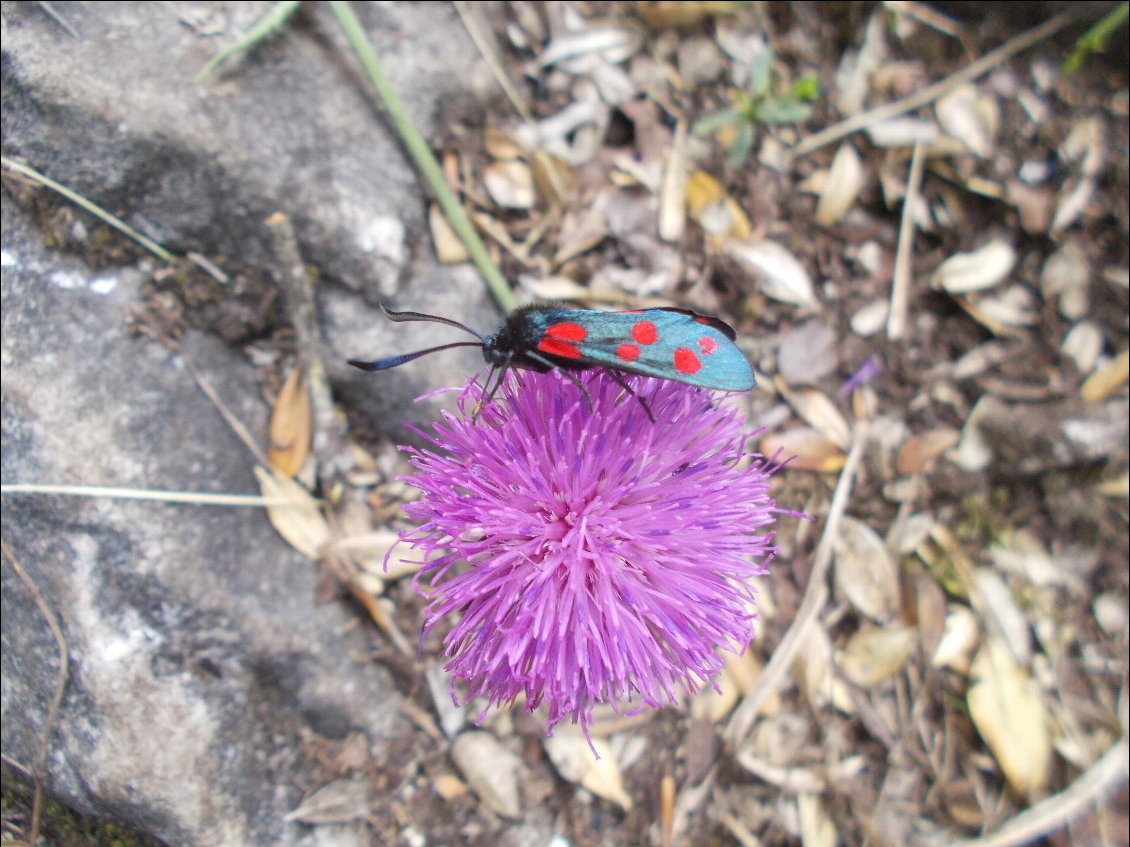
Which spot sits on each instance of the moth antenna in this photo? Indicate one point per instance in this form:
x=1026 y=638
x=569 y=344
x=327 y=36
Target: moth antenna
x=395 y=361
x=419 y=317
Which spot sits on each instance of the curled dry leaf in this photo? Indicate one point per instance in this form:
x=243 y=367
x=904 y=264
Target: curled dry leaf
x=841 y=188
x=779 y=273
x=871 y=318
x=1107 y=379
x=985 y=267
x=960 y=637
x=339 y=802
x=865 y=571
x=1007 y=709
x=571 y=756
x=510 y=184
x=1083 y=345
x=490 y=769
x=817 y=676
x=971 y=117
x=299 y=520
x=1066 y=278
x=714 y=210
x=291 y=426
x=613 y=42
x=872 y=655
x=1004 y=314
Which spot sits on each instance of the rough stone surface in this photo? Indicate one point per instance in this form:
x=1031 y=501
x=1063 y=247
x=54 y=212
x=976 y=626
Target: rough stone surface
x=200 y=662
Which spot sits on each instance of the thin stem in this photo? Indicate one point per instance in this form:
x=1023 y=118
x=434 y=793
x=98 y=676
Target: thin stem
x=422 y=155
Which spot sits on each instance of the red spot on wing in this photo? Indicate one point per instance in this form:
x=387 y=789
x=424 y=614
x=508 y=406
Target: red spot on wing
x=685 y=361
x=559 y=347
x=567 y=330
x=627 y=352
x=644 y=332
x=707 y=345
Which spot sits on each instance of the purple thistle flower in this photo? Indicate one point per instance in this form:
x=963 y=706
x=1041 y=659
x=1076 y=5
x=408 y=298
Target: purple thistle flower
x=606 y=557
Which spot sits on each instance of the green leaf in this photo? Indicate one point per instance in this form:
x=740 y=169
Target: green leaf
x=758 y=84
x=712 y=123
x=782 y=110
x=1094 y=40
x=743 y=143
x=807 y=89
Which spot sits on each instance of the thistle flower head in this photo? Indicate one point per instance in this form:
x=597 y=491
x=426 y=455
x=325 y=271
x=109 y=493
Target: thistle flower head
x=584 y=552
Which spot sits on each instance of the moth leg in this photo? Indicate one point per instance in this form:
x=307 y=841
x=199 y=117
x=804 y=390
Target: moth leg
x=541 y=360
x=619 y=380
x=489 y=395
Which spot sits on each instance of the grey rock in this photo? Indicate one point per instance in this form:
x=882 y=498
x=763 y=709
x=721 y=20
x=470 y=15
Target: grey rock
x=200 y=663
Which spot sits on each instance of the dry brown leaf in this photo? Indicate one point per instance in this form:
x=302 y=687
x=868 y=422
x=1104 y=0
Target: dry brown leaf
x=1066 y=278
x=490 y=769
x=1007 y=709
x=872 y=655
x=865 y=571
x=820 y=412
x=291 y=426
x=449 y=247
x=809 y=449
x=673 y=194
x=817 y=677
x=1106 y=379
x=449 y=786
x=1083 y=345
x=572 y=757
x=715 y=210
x=300 y=520
x=920 y=452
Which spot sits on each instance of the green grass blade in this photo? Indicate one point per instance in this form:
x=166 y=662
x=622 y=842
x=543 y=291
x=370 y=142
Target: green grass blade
x=274 y=19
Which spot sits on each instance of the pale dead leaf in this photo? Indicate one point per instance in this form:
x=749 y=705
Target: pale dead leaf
x=300 y=520
x=779 y=274
x=816 y=827
x=1007 y=709
x=842 y=187
x=1066 y=278
x=871 y=318
x=920 y=452
x=865 y=571
x=449 y=247
x=872 y=655
x=339 y=802
x=1083 y=345
x=810 y=450
x=571 y=756
x=715 y=210
x=291 y=426
x=490 y=769
x=971 y=117
x=1107 y=379
x=817 y=409
x=510 y=184
x=449 y=786
x=984 y=268
x=1001 y=614
x=960 y=637
x=818 y=679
